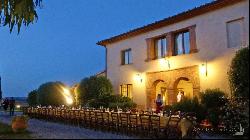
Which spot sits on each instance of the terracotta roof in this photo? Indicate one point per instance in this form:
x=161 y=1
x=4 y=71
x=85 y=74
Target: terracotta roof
x=171 y=20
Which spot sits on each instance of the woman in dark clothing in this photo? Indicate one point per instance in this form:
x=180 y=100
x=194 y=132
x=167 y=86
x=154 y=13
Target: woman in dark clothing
x=5 y=104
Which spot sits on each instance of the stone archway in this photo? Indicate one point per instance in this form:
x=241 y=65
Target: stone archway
x=170 y=79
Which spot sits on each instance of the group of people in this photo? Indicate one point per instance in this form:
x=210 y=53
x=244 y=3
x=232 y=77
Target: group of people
x=9 y=103
x=159 y=101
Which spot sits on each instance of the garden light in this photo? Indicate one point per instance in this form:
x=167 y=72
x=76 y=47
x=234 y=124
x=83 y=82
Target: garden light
x=67 y=95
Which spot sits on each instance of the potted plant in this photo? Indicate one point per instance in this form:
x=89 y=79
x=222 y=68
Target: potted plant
x=19 y=123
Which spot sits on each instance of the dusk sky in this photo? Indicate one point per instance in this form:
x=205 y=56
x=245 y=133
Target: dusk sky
x=61 y=45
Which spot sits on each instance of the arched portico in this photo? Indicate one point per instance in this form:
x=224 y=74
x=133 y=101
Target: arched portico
x=172 y=79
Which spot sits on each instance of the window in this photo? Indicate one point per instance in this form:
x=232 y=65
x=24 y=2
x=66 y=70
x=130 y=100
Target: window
x=161 y=47
x=126 y=57
x=126 y=90
x=235 y=33
x=182 y=43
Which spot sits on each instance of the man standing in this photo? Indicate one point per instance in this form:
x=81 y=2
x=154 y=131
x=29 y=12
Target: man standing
x=12 y=106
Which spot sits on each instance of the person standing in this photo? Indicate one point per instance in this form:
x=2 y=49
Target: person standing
x=159 y=103
x=5 y=104
x=12 y=106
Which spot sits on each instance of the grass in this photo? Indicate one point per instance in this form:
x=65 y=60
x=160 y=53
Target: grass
x=7 y=133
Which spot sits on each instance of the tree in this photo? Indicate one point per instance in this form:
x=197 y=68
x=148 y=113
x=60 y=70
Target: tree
x=18 y=12
x=239 y=73
x=92 y=88
x=32 y=98
x=51 y=93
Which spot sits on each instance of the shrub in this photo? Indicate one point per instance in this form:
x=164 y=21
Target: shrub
x=93 y=87
x=190 y=105
x=124 y=103
x=32 y=98
x=236 y=113
x=213 y=100
x=112 y=101
x=51 y=94
x=239 y=73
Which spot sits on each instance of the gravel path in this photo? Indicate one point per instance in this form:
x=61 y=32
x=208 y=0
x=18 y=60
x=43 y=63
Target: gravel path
x=50 y=130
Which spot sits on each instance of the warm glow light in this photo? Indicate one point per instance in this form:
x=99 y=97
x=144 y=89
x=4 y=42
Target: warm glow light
x=203 y=69
x=66 y=91
x=164 y=63
x=69 y=100
x=67 y=96
x=18 y=106
x=138 y=78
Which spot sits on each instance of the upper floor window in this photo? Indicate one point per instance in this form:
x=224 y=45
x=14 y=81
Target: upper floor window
x=182 y=43
x=161 y=47
x=126 y=90
x=173 y=43
x=126 y=57
x=235 y=33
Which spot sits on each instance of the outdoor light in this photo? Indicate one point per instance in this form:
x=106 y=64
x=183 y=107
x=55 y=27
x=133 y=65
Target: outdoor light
x=164 y=62
x=67 y=96
x=18 y=106
x=203 y=68
x=138 y=77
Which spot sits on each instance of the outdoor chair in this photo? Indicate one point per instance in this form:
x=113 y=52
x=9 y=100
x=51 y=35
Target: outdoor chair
x=114 y=124
x=124 y=121
x=106 y=120
x=145 y=123
x=133 y=123
x=172 y=130
x=98 y=120
x=87 y=119
x=193 y=132
x=155 y=127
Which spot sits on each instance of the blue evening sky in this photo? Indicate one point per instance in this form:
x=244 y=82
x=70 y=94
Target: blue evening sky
x=61 y=46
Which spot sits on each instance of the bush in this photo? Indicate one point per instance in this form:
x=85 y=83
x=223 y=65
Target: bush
x=213 y=100
x=51 y=94
x=124 y=103
x=112 y=101
x=190 y=105
x=32 y=98
x=93 y=87
x=236 y=113
x=239 y=73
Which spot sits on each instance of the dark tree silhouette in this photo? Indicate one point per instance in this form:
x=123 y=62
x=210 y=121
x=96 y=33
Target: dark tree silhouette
x=18 y=12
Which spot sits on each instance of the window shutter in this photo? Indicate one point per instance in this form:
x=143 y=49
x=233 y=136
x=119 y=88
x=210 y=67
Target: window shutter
x=193 y=47
x=122 y=58
x=170 y=40
x=150 y=49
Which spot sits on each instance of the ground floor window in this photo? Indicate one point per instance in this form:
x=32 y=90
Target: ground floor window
x=126 y=90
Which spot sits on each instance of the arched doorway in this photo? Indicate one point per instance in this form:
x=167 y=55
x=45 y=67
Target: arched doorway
x=161 y=88
x=184 y=86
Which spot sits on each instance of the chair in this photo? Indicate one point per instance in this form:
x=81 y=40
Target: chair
x=193 y=132
x=124 y=121
x=172 y=130
x=114 y=124
x=145 y=123
x=133 y=123
x=87 y=119
x=106 y=120
x=81 y=118
x=155 y=124
x=98 y=119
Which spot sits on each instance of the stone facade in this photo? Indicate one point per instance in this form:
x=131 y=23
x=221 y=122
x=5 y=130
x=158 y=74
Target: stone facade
x=171 y=79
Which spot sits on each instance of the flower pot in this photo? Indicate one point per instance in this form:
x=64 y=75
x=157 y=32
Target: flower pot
x=19 y=124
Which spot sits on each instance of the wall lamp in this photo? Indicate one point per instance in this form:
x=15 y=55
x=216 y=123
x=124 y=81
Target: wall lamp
x=203 y=68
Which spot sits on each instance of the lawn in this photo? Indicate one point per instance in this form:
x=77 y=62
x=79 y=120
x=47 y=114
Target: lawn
x=7 y=133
